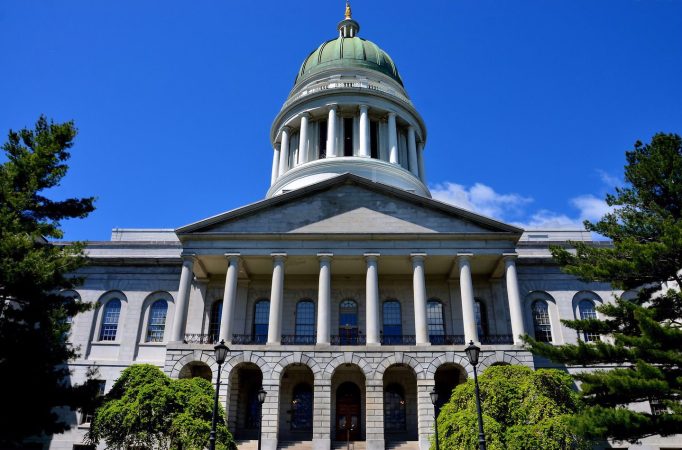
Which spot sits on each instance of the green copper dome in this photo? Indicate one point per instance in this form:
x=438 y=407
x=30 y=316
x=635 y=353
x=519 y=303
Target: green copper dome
x=348 y=53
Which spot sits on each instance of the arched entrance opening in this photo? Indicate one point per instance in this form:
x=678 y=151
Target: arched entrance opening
x=296 y=403
x=348 y=403
x=196 y=369
x=246 y=380
x=448 y=377
x=400 y=404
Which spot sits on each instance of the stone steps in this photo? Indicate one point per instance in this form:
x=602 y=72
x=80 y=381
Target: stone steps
x=295 y=445
x=402 y=445
x=247 y=444
x=354 y=445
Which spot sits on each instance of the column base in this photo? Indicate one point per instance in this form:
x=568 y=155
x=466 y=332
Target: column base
x=269 y=444
x=322 y=444
x=375 y=444
x=424 y=443
x=373 y=344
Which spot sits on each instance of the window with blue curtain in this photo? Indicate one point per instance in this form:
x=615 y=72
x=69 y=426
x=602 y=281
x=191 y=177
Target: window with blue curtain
x=305 y=322
x=156 y=324
x=214 y=320
x=261 y=316
x=110 y=315
x=393 y=328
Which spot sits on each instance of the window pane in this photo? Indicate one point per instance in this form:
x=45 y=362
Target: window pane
x=541 y=323
x=305 y=318
x=434 y=317
x=261 y=316
x=392 y=322
x=112 y=311
x=348 y=313
x=481 y=323
x=157 y=321
x=214 y=323
x=587 y=311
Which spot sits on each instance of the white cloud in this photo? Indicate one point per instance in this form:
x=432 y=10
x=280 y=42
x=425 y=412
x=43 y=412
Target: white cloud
x=591 y=207
x=609 y=180
x=481 y=199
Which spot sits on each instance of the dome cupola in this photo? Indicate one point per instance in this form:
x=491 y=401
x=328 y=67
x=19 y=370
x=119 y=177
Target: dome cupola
x=348 y=112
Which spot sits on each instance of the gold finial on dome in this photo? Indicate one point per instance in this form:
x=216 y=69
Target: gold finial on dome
x=348 y=11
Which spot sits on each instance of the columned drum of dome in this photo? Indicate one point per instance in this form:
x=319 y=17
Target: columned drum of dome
x=348 y=112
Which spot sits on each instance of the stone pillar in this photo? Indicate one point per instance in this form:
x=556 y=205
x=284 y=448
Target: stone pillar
x=303 y=142
x=331 y=132
x=374 y=408
x=425 y=413
x=466 y=287
x=270 y=424
x=420 y=163
x=276 y=299
x=364 y=132
x=284 y=151
x=392 y=139
x=412 y=151
x=229 y=297
x=180 y=317
x=515 y=308
x=275 y=164
x=372 y=299
x=419 y=286
x=322 y=403
x=324 y=299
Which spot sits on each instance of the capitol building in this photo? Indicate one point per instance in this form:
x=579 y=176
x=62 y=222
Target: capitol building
x=347 y=293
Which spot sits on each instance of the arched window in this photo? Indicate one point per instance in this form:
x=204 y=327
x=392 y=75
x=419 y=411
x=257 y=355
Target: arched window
x=156 y=323
x=348 y=322
x=302 y=408
x=214 y=320
x=393 y=328
x=541 y=323
x=481 y=318
x=395 y=418
x=305 y=322
x=587 y=311
x=261 y=317
x=112 y=310
x=435 y=321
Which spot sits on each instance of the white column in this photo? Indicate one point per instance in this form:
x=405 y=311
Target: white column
x=180 y=318
x=284 y=151
x=364 y=132
x=419 y=286
x=331 y=132
x=324 y=299
x=392 y=139
x=412 y=151
x=229 y=297
x=466 y=287
x=275 y=164
x=276 y=299
x=303 y=142
x=515 y=308
x=420 y=157
x=372 y=299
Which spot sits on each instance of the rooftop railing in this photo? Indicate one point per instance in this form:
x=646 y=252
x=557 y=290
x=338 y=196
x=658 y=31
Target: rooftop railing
x=497 y=339
x=405 y=339
x=297 y=339
x=336 y=83
x=446 y=339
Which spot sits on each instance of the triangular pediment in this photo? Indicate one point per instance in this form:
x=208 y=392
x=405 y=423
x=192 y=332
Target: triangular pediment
x=349 y=204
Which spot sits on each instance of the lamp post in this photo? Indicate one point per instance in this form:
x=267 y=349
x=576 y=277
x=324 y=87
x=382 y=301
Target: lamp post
x=472 y=354
x=261 y=400
x=434 y=400
x=220 y=355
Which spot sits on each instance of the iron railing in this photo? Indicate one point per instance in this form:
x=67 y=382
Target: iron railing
x=497 y=339
x=297 y=339
x=248 y=339
x=348 y=339
x=446 y=339
x=402 y=339
x=196 y=338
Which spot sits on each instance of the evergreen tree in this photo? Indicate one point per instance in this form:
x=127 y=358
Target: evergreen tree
x=642 y=334
x=34 y=316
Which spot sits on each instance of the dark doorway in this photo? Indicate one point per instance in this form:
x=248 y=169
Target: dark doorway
x=348 y=412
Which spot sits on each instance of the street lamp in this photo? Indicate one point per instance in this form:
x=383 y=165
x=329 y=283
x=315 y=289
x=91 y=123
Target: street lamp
x=472 y=354
x=220 y=355
x=434 y=400
x=261 y=400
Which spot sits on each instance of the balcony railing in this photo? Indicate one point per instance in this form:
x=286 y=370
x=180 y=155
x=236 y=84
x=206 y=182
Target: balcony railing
x=247 y=339
x=297 y=339
x=497 y=339
x=398 y=340
x=446 y=339
x=348 y=339
x=200 y=339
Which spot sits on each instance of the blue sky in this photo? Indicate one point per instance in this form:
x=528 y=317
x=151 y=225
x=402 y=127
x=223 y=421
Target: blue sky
x=530 y=105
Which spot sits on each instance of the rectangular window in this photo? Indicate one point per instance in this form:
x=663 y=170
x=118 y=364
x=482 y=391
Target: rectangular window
x=374 y=138
x=323 y=139
x=348 y=136
x=88 y=414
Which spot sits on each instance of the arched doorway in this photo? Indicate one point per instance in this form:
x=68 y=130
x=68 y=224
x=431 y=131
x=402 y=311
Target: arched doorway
x=196 y=369
x=296 y=403
x=348 y=400
x=400 y=404
x=448 y=377
x=246 y=380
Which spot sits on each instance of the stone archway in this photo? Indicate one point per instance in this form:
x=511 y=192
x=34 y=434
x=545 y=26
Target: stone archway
x=296 y=401
x=245 y=381
x=348 y=398
x=196 y=369
x=447 y=377
x=400 y=404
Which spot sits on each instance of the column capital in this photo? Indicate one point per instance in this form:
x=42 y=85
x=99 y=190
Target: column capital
x=362 y=106
x=510 y=256
x=417 y=256
x=279 y=256
x=304 y=114
x=371 y=256
x=391 y=114
x=231 y=256
x=325 y=256
x=333 y=106
x=286 y=128
x=278 y=146
x=464 y=256
x=188 y=257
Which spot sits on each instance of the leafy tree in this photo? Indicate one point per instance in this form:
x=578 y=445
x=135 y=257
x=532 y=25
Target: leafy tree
x=523 y=409
x=147 y=409
x=642 y=334
x=33 y=314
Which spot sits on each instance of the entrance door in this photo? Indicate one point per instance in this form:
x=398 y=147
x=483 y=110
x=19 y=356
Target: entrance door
x=348 y=412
